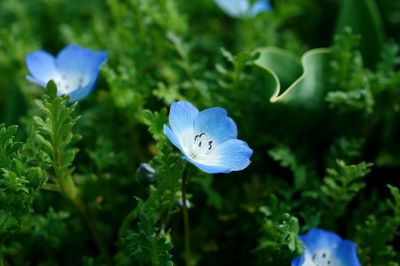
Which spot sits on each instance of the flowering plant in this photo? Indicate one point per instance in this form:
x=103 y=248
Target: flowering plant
x=296 y=101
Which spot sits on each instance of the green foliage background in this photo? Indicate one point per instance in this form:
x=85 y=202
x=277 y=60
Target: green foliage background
x=323 y=124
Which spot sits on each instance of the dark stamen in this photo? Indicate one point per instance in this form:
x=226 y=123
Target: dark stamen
x=210 y=145
x=198 y=136
x=199 y=144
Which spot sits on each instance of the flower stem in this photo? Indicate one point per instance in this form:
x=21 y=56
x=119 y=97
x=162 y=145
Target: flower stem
x=185 y=214
x=92 y=226
x=126 y=222
x=70 y=191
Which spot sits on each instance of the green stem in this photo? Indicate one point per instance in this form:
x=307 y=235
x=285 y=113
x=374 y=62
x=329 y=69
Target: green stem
x=51 y=187
x=127 y=222
x=136 y=146
x=69 y=190
x=185 y=216
x=92 y=226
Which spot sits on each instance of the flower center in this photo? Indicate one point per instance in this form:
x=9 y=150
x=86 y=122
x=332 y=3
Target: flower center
x=322 y=258
x=67 y=83
x=202 y=145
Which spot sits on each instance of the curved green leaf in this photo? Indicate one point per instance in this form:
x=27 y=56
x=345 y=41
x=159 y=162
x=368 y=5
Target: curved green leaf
x=298 y=82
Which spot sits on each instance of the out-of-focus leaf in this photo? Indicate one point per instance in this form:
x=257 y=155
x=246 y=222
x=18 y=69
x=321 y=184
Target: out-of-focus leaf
x=364 y=18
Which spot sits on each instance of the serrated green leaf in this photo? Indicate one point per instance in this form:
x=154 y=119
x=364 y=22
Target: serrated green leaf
x=48 y=147
x=12 y=130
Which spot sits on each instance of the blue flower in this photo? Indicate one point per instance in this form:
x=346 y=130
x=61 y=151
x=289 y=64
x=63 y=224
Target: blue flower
x=243 y=8
x=326 y=249
x=74 y=70
x=208 y=139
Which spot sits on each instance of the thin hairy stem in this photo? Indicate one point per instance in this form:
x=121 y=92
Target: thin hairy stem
x=185 y=216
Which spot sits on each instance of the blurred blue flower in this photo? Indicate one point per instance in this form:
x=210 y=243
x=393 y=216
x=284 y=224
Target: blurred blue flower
x=74 y=70
x=208 y=139
x=243 y=8
x=326 y=248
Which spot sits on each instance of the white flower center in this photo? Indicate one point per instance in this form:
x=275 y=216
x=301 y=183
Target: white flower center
x=67 y=83
x=202 y=145
x=321 y=258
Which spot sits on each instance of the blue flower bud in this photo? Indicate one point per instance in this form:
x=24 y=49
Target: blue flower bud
x=146 y=174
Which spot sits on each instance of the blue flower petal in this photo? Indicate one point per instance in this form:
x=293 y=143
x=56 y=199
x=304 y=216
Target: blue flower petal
x=232 y=155
x=80 y=63
x=346 y=252
x=234 y=8
x=318 y=239
x=258 y=7
x=210 y=169
x=41 y=66
x=298 y=261
x=206 y=168
x=242 y=8
x=76 y=60
x=82 y=92
x=216 y=124
x=36 y=81
x=96 y=61
x=173 y=138
x=181 y=119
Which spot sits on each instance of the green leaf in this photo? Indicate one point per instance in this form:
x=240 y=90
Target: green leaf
x=8 y=147
x=341 y=184
x=54 y=136
x=395 y=203
x=52 y=89
x=289 y=231
x=292 y=82
x=148 y=246
x=155 y=121
x=11 y=181
x=287 y=159
x=364 y=18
